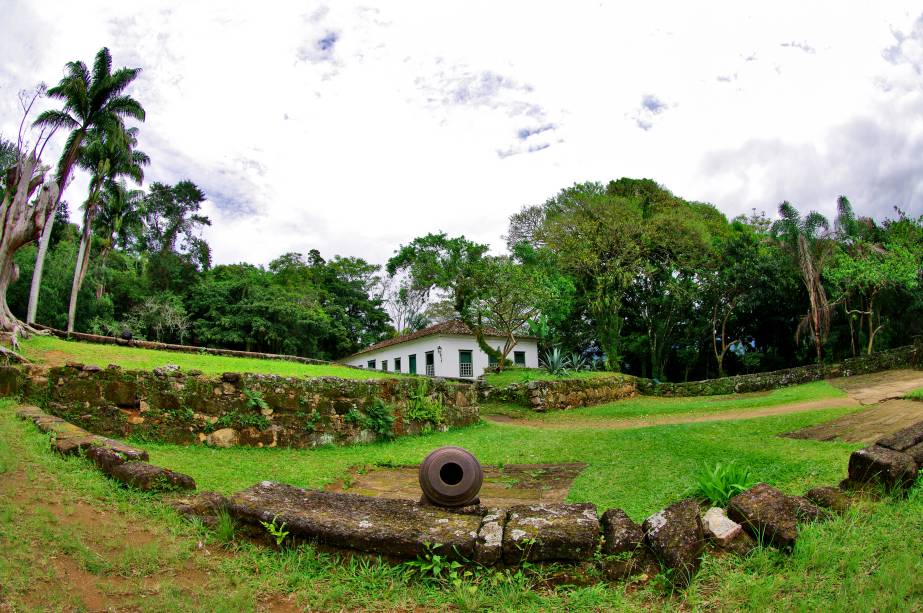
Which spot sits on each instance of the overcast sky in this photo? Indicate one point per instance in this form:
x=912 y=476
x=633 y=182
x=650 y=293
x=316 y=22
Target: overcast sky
x=351 y=128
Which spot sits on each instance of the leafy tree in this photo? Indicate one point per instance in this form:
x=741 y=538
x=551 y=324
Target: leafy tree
x=91 y=101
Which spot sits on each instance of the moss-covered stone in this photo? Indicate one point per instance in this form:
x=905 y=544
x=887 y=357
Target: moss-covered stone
x=544 y=532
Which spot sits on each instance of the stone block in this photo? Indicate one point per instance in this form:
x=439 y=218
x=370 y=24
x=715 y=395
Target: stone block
x=771 y=515
x=223 y=438
x=489 y=546
x=719 y=527
x=902 y=440
x=620 y=533
x=676 y=537
x=391 y=527
x=890 y=468
x=148 y=477
x=545 y=532
x=831 y=498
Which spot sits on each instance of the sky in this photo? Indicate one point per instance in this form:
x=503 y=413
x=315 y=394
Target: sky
x=353 y=128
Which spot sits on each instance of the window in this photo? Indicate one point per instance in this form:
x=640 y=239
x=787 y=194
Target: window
x=465 y=367
x=384 y=364
x=492 y=360
x=519 y=358
x=430 y=364
x=397 y=365
x=371 y=364
x=412 y=364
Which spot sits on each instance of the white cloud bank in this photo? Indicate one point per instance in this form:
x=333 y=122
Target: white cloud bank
x=351 y=129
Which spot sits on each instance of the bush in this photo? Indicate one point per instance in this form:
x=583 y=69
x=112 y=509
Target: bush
x=379 y=418
x=719 y=483
x=421 y=407
x=555 y=363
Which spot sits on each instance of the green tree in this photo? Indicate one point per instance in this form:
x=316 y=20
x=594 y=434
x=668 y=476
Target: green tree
x=91 y=101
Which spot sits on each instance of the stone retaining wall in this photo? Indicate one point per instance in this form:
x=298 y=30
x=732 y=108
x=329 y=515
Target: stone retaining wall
x=172 y=405
x=557 y=394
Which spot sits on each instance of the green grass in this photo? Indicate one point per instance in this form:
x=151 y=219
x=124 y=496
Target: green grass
x=522 y=375
x=916 y=394
x=37 y=349
x=651 y=406
x=866 y=560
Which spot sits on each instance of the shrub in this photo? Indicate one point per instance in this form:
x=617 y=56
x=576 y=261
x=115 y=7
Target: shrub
x=379 y=418
x=719 y=483
x=422 y=407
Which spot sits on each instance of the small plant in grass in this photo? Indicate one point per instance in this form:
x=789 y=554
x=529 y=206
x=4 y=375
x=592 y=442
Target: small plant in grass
x=555 y=362
x=277 y=532
x=718 y=483
x=432 y=566
x=224 y=526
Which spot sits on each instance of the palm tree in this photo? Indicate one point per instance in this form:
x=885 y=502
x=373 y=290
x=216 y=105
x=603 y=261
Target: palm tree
x=91 y=101
x=119 y=219
x=806 y=239
x=107 y=156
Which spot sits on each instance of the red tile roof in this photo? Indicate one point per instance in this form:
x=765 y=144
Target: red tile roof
x=454 y=326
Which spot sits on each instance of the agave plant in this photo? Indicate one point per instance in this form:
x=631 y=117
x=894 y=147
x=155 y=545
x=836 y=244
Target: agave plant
x=577 y=362
x=554 y=362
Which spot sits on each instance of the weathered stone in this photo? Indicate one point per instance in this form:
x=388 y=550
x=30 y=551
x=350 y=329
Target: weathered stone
x=123 y=394
x=224 y=438
x=539 y=532
x=883 y=465
x=829 y=498
x=106 y=459
x=29 y=412
x=148 y=477
x=11 y=380
x=742 y=544
x=903 y=440
x=91 y=368
x=230 y=377
x=771 y=515
x=620 y=533
x=489 y=546
x=203 y=504
x=392 y=527
x=916 y=452
x=167 y=370
x=675 y=536
x=73 y=445
x=625 y=566
x=719 y=527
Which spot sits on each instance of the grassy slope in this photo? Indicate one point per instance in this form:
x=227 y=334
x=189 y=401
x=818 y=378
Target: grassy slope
x=37 y=347
x=521 y=375
x=867 y=560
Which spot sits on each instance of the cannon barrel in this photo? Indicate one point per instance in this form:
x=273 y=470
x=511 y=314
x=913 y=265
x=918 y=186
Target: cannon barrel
x=451 y=477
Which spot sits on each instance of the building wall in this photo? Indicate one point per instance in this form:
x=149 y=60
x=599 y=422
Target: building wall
x=447 y=363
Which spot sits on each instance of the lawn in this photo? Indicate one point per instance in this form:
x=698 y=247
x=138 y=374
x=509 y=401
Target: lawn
x=49 y=349
x=523 y=375
x=66 y=530
x=642 y=407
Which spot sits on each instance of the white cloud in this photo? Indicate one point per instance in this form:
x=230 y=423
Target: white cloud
x=352 y=129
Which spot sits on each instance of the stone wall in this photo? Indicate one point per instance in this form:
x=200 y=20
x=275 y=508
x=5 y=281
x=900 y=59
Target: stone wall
x=910 y=356
x=562 y=394
x=557 y=394
x=169 y=404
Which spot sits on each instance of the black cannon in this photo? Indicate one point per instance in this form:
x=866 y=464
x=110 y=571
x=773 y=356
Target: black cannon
x=451 y=477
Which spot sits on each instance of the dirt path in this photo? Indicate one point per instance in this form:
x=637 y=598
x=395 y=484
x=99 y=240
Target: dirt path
x=861 y=391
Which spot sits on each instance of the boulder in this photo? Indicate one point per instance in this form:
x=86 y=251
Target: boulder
x=916 y=452
x=624 y=566
x=391 y=527
x=540 y=532
x=204 y=504
x=676 y=537
x=223 y=438
x=885 y=466
x=489 y=546
x=148 y=477
x=831 y=498
x=720 y=528
x=620 y=534
x=771 y=515
x=903 y=440
x=106 y=459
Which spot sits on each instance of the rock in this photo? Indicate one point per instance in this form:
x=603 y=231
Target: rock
x=916 y=452
x=230 y=377
x=148 y=477
x=771 y=515
x=719 y=527
x=829 y=498
x=106 y=459
x=73 y=445
x=91 y=368
x=122 y=394
x=223 y=438
x=885 y=466
x=391 y=527
x=204 y=504
x=29 y=412
x=620 y=534
x=675 y=536
x=903 y=440
x=489 y=546
x=540 y=532
x=167 y=370
x=742 y=544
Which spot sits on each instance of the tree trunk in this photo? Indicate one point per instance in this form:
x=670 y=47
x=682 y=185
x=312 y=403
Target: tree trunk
x=80 y=271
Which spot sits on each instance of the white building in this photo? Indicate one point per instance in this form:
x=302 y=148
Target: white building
x=445 y=350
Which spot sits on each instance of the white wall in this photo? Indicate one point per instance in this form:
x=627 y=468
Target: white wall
x=446 y=365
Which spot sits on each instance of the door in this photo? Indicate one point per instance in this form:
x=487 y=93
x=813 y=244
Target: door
x=465 y=366
x=430 y=364
x=412 y=364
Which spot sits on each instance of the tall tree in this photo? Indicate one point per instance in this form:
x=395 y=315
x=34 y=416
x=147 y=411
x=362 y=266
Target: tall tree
x=107 y=156
x=808 y=243
x=92 y=100
x=119 y=223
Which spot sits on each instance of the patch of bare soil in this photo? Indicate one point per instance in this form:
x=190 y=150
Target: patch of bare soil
x=667 y=420
x=865 y=426
x=880 y=386
x=505 y=486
